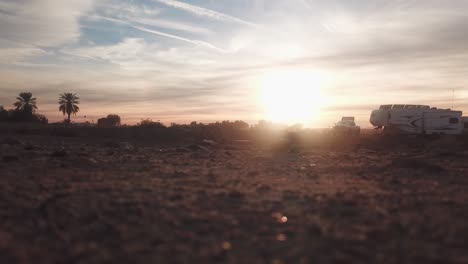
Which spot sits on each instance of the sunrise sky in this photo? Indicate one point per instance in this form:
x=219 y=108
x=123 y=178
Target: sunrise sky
x=208 y=60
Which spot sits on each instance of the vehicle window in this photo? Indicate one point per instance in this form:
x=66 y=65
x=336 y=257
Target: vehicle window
x=453 y=120
x=398 y=106
x=347 y=118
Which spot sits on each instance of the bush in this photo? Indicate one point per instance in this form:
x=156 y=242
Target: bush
x=41 y=119
x=24 y=116
x=150 y=123
x=3 y=114
x=109 y=121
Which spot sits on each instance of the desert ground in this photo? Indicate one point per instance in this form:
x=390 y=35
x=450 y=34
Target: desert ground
x=371 y=199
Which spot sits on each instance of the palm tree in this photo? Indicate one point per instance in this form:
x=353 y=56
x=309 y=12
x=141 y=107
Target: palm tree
x=26 y=103
x=69 y=104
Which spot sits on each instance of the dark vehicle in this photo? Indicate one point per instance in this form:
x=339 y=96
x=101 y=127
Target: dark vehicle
x=346 y=126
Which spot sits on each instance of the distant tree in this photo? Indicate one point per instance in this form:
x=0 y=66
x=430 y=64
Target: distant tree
x=295 y=127
x=239 y=124
x=102 y=122
x=69 y=104
x=109 y=121
x=114 y=119
x=263 y=124
x=150 y=123
x=14 y=115
x=3 y=114
x=26 y=103
x=40 y=119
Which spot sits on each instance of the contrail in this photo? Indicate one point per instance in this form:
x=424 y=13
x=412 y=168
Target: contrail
x=196 y=42
x=163 y=34
x=200 y=11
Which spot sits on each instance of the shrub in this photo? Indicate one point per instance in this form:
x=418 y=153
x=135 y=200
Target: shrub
x=22 y=116
x=3 y=114
x=111 y=120
x=150 y=123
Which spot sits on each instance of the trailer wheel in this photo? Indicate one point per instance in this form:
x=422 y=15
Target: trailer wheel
x=390 y=131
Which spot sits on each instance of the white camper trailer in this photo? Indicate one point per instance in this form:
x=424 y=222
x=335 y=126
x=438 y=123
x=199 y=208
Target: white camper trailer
x=417 y=119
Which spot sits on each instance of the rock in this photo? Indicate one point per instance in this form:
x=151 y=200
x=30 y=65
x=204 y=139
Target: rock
x=179 y=174
x=10 y=158
x=118 y=145
x=235 y=195
x=208 y=142
x=243 y=141
x=196 y=147
x=59 y=154
x=126 y=146
x=111 y=144
x=445 y=143
x=92 y=161
x=11 y=142
x=181 y=150
x=263 y=188
x=30 y=147
x=418 y=164
x=253 y=173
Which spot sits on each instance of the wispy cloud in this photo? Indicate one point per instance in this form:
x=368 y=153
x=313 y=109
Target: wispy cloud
x=148 y=16
x=17 y=54
x=171 y=25
x=27 y=27
x=196 y=42
x=163 y=34
x=181 y=55
x=200 y=11
x=41 y=22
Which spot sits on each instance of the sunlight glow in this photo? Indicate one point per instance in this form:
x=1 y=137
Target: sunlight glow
x=292 y=95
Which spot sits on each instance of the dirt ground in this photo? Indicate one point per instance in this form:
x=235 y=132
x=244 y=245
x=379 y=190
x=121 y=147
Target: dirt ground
x=69 y=200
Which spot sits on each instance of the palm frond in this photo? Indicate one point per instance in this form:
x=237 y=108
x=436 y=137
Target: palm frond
x=68 y=103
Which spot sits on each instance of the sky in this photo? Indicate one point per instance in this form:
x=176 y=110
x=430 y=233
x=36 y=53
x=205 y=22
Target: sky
x=209 y=60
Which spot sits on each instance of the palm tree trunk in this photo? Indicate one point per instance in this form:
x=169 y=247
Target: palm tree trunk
x=69 y=121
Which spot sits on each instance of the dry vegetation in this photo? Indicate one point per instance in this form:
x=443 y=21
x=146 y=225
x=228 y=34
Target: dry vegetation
x=127 y=195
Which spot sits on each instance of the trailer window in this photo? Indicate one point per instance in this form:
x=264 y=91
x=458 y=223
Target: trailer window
x=385 y=107
x=453 y=120
x=410 y=106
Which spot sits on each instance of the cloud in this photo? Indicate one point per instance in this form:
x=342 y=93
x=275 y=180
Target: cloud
x=132 y=97
x=204 y=12
x=182 y=57
x=15 y=55
x=127 y=50
x=400 y=35
x=196 y=42
x=42 y=22
x=163 y=34
x=26 y=26
x=172 y=25
x=147 y=16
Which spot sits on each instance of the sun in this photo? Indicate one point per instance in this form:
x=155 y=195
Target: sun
x=292 y=96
